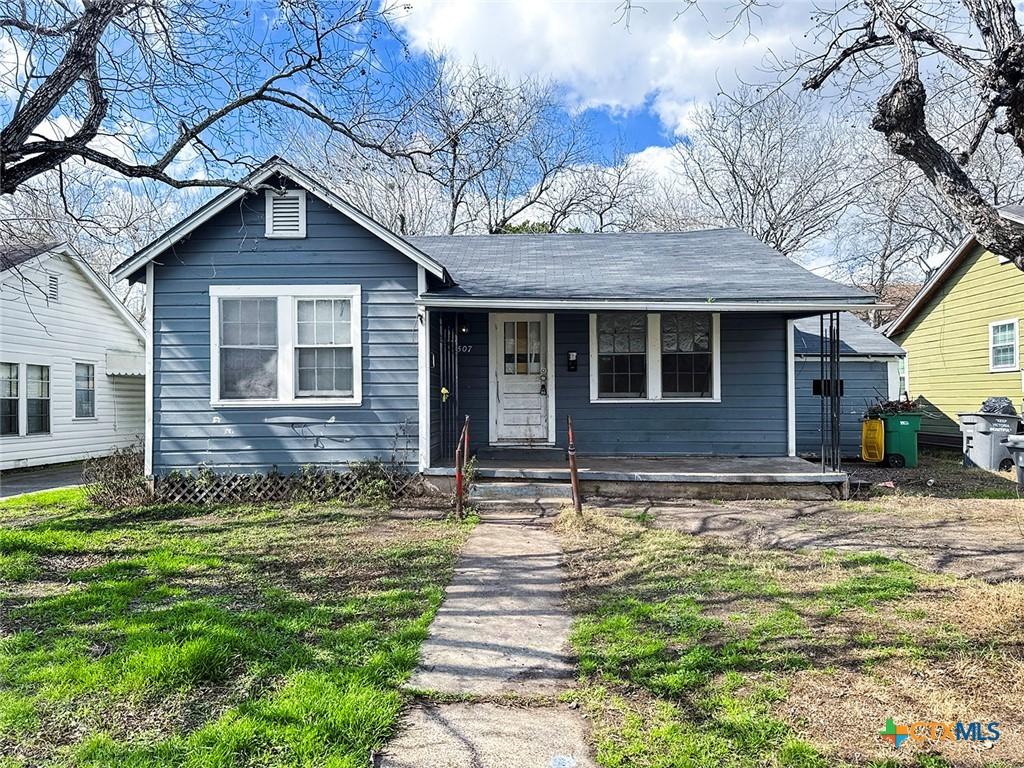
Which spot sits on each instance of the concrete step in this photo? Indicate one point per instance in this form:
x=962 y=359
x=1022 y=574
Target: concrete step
x=502 y=491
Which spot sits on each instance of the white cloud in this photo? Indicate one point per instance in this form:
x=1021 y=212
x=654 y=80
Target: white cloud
x=665 y=59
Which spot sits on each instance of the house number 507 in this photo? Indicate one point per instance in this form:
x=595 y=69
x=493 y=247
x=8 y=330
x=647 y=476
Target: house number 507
x=465 y=347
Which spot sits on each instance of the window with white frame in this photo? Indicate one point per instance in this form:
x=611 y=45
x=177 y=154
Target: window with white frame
x=280 y=345
x=622 y=355
x=9 y=420
x=1003 y=346
x=248 y=348
x=686 y=354
x=644 y=357
x=37 y=399
x=323 y=356
x=85 y=391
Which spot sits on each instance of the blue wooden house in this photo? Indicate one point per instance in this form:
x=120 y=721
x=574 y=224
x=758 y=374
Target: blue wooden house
x=287 y=328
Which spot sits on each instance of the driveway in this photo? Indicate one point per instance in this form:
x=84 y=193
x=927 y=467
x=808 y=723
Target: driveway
x=965 y=537
x=13 y=483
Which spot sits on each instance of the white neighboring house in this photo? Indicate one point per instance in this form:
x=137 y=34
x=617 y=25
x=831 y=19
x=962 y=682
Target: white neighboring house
x=72 y=361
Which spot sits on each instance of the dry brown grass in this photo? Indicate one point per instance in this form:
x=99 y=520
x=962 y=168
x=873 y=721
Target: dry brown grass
x=948 y=649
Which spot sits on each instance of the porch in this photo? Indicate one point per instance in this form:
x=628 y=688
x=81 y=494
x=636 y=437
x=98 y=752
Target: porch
x=724 y=477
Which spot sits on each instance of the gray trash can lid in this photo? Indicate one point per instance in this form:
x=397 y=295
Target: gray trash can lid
x=1015 y=441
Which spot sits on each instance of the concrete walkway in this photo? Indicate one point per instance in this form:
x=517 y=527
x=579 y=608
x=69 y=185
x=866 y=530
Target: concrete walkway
x=15 y=483
x=502 y=631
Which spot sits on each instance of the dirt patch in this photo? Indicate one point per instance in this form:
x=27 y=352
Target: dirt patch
x=966 y=538
x=940 y=474
x=842 y=712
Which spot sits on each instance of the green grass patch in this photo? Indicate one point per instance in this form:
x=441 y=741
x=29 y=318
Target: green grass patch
x=689 y=648
x=291 y=627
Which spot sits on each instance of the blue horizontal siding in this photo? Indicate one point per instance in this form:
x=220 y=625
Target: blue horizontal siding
x=864 y=381
x=231 y=250
x=751 y=420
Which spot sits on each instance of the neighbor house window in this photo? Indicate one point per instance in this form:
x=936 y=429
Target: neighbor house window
x=621 y=355
x=85 y=391
x=248 y=349
x=9 y=399
x=1003 y=346
x=37 y=399
x=323 y=356
x=285 y=344
x=685 y=354
x=651 y=356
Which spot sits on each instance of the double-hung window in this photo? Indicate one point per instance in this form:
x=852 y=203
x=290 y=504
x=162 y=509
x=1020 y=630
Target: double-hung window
x=667 y=356
x=323 y=356
x=85 y=391
x=9 y=421
x=686 y=355
x=248 y=348
x=285 y=345
x=37 y=399
x=1003 y=346
x=622 y=354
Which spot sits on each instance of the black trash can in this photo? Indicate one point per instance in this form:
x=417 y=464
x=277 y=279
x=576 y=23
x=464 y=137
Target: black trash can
x=984 y=439
x=1015 y=444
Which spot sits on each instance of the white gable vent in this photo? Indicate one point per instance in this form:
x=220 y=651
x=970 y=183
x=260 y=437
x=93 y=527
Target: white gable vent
x=53 y=288
x=286 y=213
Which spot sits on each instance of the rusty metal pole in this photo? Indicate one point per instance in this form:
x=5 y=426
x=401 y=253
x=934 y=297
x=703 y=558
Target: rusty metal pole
x=577 y=503
x=458 y=481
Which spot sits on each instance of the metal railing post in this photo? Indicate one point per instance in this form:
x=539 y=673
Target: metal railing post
x=577 y=503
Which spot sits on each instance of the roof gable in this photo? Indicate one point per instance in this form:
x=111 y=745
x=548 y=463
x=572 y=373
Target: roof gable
x=44 y=253
x=966 y=248
x=274 y=166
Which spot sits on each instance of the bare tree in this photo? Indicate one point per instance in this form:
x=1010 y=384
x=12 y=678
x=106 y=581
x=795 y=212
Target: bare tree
x=765 y=164
x=493 y=146
x=898 y=46
x=144 y=87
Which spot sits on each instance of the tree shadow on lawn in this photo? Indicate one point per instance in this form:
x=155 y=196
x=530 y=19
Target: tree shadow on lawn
x=291 y=642
x=687 y=645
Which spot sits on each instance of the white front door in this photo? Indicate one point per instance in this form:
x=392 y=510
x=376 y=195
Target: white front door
x=521 y=389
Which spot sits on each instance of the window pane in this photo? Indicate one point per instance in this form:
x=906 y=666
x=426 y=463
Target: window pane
x=8 y=380
x=37 y=381
x=9 y=416
x=622 y=359
x=248 y=373
x=248 y=322
x=324 y=371
x=38 y=420
x=85 y=391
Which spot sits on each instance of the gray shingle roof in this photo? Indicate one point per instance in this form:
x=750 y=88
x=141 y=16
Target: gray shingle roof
x=11 y=257
x=1013 y=212
x=719 y=265
x=856 y=338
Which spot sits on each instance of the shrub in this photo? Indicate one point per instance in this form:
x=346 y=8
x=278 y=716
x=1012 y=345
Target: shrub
x=117 y=480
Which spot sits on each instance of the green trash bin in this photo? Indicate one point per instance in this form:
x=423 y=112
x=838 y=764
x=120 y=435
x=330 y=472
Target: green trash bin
x=901 y=438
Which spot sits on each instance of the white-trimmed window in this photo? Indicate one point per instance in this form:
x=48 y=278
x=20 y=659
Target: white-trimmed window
x=1003 y=346
x=654 y=357
x=286 y=213
x=10 y=423
x=85 y=391
x=323 y=356
x=37 y=399
x=285 y=345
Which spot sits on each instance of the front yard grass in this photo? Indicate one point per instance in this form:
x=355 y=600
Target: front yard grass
x=698 y=653
x=264 y=635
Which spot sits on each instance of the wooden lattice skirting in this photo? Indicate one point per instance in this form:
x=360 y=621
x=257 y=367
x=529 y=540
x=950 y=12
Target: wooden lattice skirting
x=229 y=489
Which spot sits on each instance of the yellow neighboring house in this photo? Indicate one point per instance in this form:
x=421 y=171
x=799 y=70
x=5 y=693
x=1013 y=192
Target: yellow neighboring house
x=962 y=336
